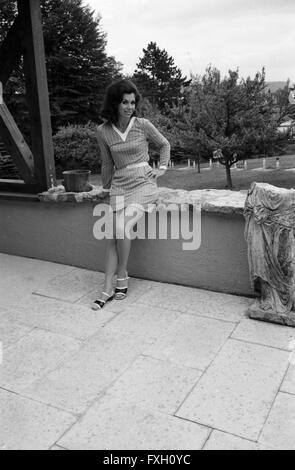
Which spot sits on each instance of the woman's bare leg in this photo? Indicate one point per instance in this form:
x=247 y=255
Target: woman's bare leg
x=118 y=250
x=124 y=247
x=124 y=240
x=111 y=264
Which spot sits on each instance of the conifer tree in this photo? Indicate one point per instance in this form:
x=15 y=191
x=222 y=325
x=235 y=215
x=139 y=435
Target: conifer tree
x=158 y=78
x=78 y=67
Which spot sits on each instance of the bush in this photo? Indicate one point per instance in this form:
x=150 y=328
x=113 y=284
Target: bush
x=76 y=147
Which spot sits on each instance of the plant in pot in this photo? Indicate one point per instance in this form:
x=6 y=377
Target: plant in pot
x=77 y=154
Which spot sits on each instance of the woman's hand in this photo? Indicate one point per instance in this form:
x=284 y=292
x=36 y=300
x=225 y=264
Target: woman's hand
x=103 y=194
x=158 y=173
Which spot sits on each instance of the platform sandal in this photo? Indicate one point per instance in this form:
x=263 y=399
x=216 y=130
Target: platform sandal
x=99 y=303
x=121 y=292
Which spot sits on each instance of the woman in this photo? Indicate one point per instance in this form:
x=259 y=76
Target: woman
x=126 y=176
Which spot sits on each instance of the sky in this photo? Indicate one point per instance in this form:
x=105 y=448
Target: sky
x=247 y=34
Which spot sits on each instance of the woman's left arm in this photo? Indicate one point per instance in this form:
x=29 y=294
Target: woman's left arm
x=154 y=136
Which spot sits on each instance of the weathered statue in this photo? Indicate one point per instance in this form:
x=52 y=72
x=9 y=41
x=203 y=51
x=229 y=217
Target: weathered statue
x=270 y=227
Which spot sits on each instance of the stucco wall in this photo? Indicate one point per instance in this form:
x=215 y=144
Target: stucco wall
x=63 y=233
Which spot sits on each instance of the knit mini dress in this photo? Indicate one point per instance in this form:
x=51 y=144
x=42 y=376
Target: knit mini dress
x=125 y=171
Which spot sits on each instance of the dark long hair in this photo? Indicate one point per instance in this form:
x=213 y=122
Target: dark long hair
x=113 y=97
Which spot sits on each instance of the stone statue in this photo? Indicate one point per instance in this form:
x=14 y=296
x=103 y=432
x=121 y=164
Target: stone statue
x=270 y=227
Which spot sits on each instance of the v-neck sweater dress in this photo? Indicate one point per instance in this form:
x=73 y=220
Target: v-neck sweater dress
x=135 y=185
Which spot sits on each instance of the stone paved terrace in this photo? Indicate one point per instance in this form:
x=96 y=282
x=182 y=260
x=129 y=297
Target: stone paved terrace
x=170 y=367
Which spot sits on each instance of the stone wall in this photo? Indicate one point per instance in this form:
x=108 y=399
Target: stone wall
x=62 y=232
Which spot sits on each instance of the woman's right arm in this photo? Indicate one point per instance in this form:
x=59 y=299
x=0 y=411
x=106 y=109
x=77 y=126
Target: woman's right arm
x=107 y=163
x=153 y=135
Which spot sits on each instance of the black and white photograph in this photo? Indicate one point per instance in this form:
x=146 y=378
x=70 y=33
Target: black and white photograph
x=147 y=228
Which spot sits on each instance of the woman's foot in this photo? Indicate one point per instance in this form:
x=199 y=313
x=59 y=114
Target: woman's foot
x=104 y=297
x=122 y=287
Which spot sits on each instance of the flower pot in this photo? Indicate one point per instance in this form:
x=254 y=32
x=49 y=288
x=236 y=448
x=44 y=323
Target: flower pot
x=76 y=181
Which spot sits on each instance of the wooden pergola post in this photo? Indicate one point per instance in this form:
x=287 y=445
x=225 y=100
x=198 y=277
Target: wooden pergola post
x=26 y=38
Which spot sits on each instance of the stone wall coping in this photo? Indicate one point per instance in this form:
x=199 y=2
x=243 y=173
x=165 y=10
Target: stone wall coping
x=211 y=200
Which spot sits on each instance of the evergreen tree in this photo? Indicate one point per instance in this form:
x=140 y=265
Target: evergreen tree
x=158 y=78
x=78 y=67
x=7 y=15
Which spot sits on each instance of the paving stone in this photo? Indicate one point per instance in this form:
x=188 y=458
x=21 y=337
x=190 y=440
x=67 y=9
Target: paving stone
x=13 y=289
x=28 y=425
x=126 y=391
x=191 y=341
x=146 y=323
x=110 y=425
x=237 y=391
x=11 y=332
x=219 y=298
x=153 y=384
x=222 y=441
x=73 y=286
x=289 y=382
x=279 y=430
x=168 y=296
x=32 y=269
x=21 y=276
x=77 y=321
x=77 y=382
x=147 y=283
x=277 y=336
x=189 y=299
x=231 y=311
x=32 y=356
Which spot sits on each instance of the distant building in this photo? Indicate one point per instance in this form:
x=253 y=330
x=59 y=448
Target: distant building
x=274 y=86
x=287 y=126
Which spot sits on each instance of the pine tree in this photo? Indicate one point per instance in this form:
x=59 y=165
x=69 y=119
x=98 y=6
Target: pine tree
x=7 y=15
x=158 y=78
x=78 y=68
